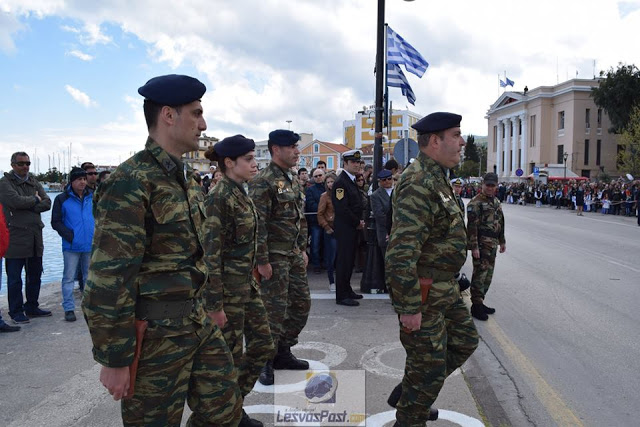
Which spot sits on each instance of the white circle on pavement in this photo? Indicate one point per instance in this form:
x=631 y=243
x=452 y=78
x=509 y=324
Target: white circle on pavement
x=371 y=361
x=328 y=323
x=334 y=355
x=380 y=419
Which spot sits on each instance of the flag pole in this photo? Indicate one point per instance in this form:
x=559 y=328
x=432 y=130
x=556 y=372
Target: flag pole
x=385 y=122
x=380 y=72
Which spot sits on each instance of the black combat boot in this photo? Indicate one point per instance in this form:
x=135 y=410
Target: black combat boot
x=477 y=311
x=286 y=360
x=247 y=421
x=394 y=397
x=488 y=310
x=266 y=375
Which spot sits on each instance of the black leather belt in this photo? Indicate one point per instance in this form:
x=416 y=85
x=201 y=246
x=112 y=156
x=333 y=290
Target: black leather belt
x=160 y=310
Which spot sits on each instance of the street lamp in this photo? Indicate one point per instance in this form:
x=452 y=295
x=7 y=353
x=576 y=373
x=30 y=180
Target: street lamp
x=289 y=123
x=373 y=277
x=565 y=156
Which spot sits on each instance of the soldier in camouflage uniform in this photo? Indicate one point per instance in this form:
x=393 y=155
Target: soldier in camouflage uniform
x=485 y=228
x=231 y=243
x=282 y=240
x=427 y=247
x=147 y=264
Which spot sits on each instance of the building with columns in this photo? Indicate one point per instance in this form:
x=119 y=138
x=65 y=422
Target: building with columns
x=537 y=127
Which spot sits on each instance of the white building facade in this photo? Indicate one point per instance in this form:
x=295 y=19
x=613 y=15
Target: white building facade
x=550 y=125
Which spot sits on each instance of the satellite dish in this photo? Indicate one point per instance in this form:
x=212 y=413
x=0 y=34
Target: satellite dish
x=630 y=177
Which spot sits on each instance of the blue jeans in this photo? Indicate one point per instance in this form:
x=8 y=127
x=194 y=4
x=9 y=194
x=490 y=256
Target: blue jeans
x=72 y=260
x=316 y=235
x=33 y=270
x=330 y=255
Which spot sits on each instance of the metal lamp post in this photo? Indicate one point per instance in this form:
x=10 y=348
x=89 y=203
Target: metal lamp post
x=565 y=156
x=373 y=276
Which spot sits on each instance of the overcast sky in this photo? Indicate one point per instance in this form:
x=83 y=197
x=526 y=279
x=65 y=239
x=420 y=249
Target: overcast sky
x=70 y=70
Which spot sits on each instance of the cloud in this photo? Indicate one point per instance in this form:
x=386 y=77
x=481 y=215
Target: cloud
x=89 y=35
x=268 y=61
x=80 y=97
x=80 y=55
x=9 y=26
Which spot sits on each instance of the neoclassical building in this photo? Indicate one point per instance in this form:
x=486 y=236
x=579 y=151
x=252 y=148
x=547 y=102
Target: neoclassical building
x=547 y=126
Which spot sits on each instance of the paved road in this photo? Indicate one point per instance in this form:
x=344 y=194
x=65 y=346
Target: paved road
x=48 y=377
x=563 y=347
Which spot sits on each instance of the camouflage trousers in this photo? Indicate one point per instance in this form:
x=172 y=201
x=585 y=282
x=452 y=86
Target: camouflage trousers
x=248 y=321
x=446 y=339
x=196 y=366
x=482 y=273
x=286 y=298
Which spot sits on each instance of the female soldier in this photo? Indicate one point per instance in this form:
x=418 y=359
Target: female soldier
x=231 y=246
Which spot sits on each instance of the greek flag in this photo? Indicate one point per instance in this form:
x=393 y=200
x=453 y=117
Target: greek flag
x=402 y=53
x=396 y=78
x=502 y=84
x=509 y=82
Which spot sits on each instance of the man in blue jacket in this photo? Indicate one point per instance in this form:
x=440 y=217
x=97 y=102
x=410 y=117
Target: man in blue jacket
x=72 y=218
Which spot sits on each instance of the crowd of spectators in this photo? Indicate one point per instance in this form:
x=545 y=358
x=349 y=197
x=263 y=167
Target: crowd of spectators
x=616 y=197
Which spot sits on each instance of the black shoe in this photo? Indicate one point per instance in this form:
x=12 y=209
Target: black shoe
x=478 y=312
x=317 y=270
x=394 y=397
x=20 y=318
x=8 y=328
x=38 y=313
x=69 y=316
x=356 y=296
x=348 y=301
x=247 y=421
x=286 y=360
x=266 y=375
x=488 y=310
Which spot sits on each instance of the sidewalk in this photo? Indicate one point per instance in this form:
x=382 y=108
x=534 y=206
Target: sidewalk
x=48 y=376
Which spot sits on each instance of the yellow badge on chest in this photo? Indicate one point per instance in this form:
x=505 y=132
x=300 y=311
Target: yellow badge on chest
x=339 y=193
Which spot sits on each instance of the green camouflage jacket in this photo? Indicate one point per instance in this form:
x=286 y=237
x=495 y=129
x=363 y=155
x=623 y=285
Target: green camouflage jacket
x=148 y=243
x=230 y=242
x=282 y=227
x=485 y=222
x=428 y=236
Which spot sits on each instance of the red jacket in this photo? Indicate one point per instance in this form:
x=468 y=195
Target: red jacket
x=4 y=234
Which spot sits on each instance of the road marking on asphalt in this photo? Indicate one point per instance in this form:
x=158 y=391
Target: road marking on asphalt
x=380 y=419
x=551 y=400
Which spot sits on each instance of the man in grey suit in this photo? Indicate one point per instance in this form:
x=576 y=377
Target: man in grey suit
x=381 y=207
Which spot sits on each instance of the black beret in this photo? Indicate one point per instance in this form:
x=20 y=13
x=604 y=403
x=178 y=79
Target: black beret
x=234 y=146
x=490 y=178
x=436 y=122
x=283 y=137
x=173 y=90
x=76 y=173
x=384 y=173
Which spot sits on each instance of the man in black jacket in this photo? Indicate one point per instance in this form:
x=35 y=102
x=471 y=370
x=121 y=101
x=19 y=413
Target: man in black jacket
x=347 y=204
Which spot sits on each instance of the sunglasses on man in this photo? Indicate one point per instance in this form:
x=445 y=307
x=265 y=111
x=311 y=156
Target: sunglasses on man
x=22 y=164
x=386 y=179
